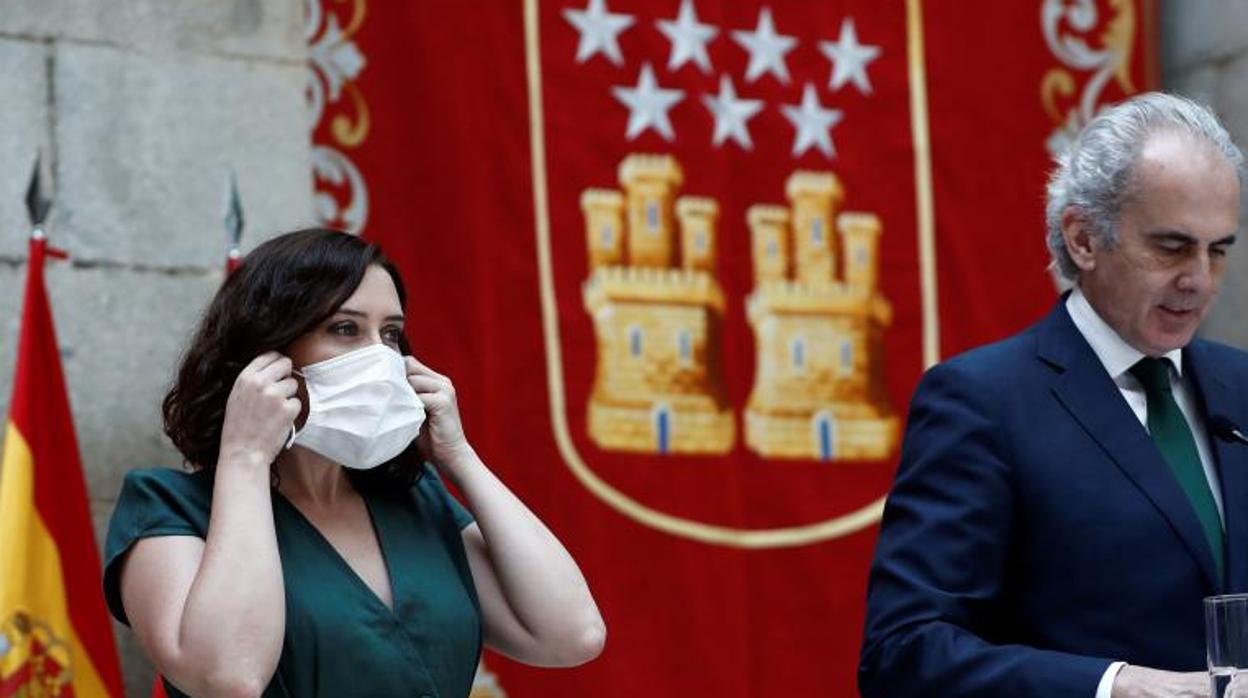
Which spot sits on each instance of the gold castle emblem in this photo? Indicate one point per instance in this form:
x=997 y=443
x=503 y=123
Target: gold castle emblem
x=657 y=310
x=819 y=379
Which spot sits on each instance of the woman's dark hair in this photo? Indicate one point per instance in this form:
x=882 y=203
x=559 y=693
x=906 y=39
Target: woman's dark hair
x=283 y=289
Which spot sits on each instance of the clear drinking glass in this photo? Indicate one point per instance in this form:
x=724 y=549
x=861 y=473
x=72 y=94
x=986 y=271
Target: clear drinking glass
x=1226 y=644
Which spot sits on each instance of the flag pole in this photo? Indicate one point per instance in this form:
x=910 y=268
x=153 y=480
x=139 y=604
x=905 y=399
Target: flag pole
x=233 y=225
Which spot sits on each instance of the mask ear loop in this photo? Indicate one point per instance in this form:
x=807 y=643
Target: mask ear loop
x=293 y=431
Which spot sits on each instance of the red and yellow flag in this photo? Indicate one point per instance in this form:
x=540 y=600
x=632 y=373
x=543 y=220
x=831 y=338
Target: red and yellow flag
x=55 y=636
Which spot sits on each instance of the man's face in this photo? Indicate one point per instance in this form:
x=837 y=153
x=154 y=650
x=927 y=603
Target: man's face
x=1182 y=211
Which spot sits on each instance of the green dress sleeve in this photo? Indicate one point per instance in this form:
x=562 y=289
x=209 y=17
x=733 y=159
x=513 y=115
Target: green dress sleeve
x=152 y=502
x=433 y=488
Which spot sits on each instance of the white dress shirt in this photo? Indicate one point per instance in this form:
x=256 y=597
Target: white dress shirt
x=1118 y=357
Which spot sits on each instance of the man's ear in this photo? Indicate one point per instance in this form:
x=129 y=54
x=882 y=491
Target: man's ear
x=1081 y=240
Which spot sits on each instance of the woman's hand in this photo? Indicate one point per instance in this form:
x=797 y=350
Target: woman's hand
x=260 y=411
x=442 y=438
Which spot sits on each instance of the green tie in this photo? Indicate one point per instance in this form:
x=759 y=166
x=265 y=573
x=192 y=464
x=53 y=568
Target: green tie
x=1174 y=439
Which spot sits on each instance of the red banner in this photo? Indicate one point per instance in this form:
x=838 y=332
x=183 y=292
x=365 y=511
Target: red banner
x=686 y=260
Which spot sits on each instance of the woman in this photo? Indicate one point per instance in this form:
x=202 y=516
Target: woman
x=311 y=551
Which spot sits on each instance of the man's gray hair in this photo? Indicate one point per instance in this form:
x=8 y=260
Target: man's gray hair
x=1094 y=173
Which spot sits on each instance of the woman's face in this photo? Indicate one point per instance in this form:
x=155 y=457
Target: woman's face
x=372 y=315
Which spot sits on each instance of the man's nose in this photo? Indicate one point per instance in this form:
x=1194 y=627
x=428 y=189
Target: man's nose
x=1199 y=276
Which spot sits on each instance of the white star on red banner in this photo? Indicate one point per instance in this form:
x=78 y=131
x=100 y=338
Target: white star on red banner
x=648 y=104
x=600 y=30
x=813 y=123
x=731 y=114
x=689 y=38
x=767 y=49
x=849 y=59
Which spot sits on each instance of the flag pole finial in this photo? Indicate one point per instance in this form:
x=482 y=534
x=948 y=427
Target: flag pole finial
x=37 y=202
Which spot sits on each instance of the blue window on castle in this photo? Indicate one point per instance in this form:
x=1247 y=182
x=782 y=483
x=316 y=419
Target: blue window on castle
x=684 y=346
x=662 y=430
x=847 y=357
x=634 y=341
x=608 y=237
x=699 y=241
x=772 y=248
x=816 y=230
x=797 y=354
x=825 y=437
x=652 y=216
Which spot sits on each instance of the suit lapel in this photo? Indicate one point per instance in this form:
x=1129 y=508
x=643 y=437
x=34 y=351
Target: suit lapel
x=1216 y=398
x=1092 y=398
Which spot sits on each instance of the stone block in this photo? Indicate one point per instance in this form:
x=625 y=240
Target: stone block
x=1231 y=99
x=24 y=130
x=12 y=278
x=1225 y=322
x=1201 y=31
x=145 y=145
x=1199 y=83
x=267 y=28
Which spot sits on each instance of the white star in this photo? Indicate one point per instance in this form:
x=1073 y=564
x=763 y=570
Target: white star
x=849 y=58
x=648 y=104
x=767 y=49
x=599 y=30
x=813 y=123
x=688 y=37
x=731 y=114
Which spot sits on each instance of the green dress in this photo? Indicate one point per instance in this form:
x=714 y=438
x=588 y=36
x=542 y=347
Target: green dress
x=341 y=640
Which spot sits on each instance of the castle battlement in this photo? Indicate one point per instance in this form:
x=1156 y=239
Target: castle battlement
x=650 y=285
x=605 y=198
x=833 y=299
x=642 y=167
x=818 y=185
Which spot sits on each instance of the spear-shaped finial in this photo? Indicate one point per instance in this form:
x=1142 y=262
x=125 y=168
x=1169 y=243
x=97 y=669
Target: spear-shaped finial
x=37 y=203
x=233 y=225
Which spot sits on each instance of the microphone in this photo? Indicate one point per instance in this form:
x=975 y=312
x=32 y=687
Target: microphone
x=1223 y=428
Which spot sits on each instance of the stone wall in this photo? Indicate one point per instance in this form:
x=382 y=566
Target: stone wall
x=141 y=108
x=1204 y=55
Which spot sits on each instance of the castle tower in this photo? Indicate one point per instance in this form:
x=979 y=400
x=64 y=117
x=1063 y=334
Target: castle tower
x=697 y=216
x=604 y=226
x=819 y=389
x=657 y=310
x=769 y=236
x=816 y=199
x=650 y=183
x=860 y=235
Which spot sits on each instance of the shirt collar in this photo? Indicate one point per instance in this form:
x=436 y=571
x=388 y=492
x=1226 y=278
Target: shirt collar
x=1115 y=354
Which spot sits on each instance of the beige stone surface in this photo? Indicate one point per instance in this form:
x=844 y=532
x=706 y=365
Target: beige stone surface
x=24 y=130
x=1204 y=50
x=271 y=29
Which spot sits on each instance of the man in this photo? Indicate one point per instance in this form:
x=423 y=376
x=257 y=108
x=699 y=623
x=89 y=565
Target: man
x=1066 y=497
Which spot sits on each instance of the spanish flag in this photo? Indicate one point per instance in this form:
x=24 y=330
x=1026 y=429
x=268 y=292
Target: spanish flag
x=55 y=636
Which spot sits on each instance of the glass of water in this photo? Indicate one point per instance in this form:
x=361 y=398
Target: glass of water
x=1226 y=644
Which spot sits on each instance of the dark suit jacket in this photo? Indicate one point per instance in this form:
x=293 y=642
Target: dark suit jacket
x=1034 y=534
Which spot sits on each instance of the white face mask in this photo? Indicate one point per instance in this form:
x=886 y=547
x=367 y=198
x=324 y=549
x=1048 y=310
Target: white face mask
x=361 y=410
